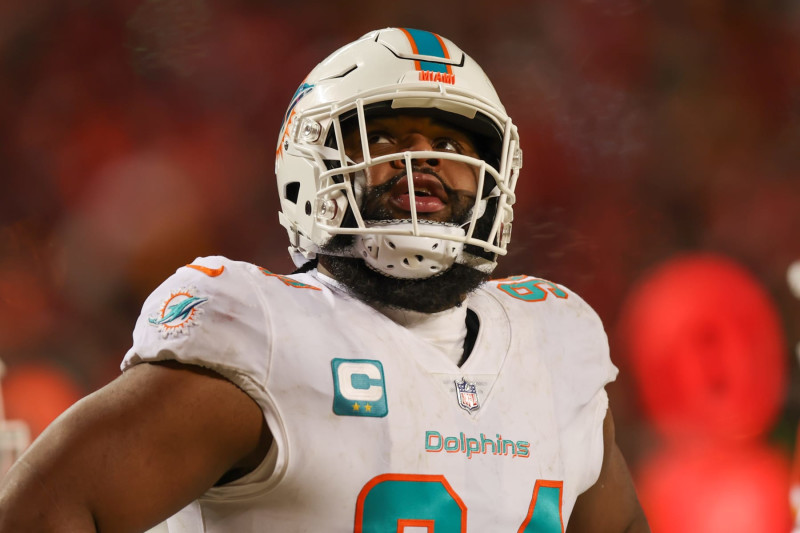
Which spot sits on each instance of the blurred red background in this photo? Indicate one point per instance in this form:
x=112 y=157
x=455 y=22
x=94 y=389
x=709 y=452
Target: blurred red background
x=137 y=135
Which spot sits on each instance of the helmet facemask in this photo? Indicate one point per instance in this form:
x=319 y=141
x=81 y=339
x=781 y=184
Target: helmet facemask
x=414 y=247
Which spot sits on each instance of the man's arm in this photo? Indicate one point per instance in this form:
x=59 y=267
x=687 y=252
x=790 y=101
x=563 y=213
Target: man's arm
x=611 y=504
x=134 y=453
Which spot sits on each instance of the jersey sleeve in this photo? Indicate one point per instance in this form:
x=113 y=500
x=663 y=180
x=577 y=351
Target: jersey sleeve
x=584 y=367
x=579 y=376
x=208 y=313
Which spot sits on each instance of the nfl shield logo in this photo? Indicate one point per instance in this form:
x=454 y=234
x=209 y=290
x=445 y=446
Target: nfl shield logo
x=467 y=395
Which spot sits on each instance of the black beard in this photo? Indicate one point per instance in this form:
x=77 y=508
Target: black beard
x=429 y=295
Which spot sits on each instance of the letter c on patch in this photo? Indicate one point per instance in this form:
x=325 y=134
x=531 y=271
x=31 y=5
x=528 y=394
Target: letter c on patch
x=359 y=388
x=360 y=381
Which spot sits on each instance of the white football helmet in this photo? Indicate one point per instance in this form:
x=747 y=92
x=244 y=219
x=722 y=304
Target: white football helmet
x=321 y=188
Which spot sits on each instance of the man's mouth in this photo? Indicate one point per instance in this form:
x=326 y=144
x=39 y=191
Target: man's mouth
x=430 y=195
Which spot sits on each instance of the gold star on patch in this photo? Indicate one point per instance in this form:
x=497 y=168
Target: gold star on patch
x=368 y=408
x=356 y=407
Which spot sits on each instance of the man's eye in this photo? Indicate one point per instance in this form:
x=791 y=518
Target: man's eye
x=447 y=145
x=379 y=138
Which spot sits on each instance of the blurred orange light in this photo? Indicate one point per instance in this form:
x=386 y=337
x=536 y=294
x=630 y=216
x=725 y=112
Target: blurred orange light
x=37 y=394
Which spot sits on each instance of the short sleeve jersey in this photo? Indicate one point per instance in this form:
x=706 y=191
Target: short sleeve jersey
x=374 y=429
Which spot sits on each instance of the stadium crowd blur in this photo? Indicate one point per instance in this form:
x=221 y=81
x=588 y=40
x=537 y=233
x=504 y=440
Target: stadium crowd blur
x=136 y=135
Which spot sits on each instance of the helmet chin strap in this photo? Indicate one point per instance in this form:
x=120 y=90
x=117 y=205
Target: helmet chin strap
x=408 y=256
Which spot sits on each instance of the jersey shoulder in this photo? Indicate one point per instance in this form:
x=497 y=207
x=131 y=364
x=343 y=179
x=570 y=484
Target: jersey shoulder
x=214 y=312
x=520 y=291
x=220 y=285
x=569 y=334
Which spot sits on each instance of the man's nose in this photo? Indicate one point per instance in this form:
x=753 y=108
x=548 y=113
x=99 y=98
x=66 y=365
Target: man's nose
x=416 y=142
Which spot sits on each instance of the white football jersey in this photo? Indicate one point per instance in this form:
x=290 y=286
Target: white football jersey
x=376 y=430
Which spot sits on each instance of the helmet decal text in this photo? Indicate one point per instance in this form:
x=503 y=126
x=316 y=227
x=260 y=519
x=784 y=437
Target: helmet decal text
x=438 y=77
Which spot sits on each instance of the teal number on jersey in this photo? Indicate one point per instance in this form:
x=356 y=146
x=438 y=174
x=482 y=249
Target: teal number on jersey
x=544 y=514
x=391 y=502
x=532 y=290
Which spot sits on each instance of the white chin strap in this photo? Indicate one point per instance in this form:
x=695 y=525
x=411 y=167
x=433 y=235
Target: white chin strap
x=409 y=256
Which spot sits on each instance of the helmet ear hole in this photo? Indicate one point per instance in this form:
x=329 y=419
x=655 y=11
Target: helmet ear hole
x=291 y=191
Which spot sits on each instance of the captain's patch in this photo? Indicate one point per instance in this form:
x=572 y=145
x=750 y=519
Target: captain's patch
x=359 y=388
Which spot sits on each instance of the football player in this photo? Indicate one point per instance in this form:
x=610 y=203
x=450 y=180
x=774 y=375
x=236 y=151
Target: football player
x=387 y=385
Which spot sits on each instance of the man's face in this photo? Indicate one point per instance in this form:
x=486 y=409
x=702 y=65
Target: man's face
x=444 y=190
